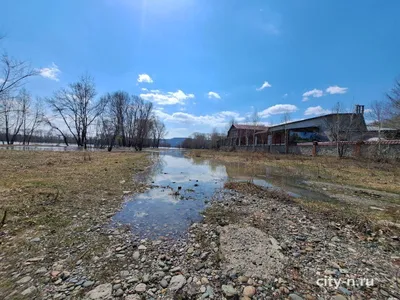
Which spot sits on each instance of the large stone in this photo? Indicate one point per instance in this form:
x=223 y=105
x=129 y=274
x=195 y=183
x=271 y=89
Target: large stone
x=24 y=280
x=140 y=288
x=28 y=291
x=124 y=274
x=250 y=251
x=249 y=291
x=103 y=291
x=87 y=283
x=41 y=270
x=295 y=297
x=229 y=291
x=136 y=255
x=164 y=283
x=177 y=282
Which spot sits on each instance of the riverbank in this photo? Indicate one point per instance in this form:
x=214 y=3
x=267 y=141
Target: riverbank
x=53 y=204
x=361 y=192
x=360 y=173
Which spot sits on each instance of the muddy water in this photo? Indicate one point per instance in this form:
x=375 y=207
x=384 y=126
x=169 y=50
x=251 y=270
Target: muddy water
x=181 y=187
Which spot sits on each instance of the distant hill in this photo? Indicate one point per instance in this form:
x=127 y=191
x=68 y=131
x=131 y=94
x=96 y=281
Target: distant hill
x=174 y=142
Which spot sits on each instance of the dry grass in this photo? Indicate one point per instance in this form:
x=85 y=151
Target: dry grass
x=38 y=185
x=360 y=173
x=59 y=196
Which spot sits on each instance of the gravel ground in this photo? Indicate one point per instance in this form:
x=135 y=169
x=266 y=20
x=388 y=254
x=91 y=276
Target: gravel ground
x=253 y=244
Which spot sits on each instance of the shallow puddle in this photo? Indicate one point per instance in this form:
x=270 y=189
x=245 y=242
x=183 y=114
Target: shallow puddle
x=182 y=187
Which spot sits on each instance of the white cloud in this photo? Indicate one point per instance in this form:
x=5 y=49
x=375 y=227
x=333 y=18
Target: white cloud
x=144 y=78
x=169 y=98
x=313 y=93
x=368 y=111
x=278 y=109
x=220 y=119
x=144 y=89
x=51 y=72
x=336 y=90
x=285 y=95
x=266 y=84
x=316 y=111
x=213 y=95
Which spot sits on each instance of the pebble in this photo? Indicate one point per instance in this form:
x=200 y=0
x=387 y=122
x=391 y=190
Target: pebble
x=177 y=282
x=142 y=247
x=295 y=297
x=136 y=255
x=164 y=283
x=102 y=291
x=229 y=290
x=87 y=283
x=249 y=291
x=124 y=274
x=28 y=291
x=176 y=269
x=41 y=270
x=119 y=293
x=204 y=280
x=140 y=288
x=24 y=280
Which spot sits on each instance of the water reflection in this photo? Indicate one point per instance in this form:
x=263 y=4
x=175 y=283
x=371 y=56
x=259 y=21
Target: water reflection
x=180 y=191
x=45 y=147
x=182 y=187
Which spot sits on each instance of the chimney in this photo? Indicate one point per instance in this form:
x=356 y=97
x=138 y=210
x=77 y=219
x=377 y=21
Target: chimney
x=359 y=109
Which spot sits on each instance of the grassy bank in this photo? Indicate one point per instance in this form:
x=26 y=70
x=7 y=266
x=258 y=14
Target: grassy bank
x=56 y=197
x=354 y=187
x=359 y=173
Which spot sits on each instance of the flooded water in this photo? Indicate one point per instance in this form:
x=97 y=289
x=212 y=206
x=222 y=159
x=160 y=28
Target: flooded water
x=44 y=147
x=182 y=188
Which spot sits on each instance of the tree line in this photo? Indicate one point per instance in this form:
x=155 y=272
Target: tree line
x=74 y=113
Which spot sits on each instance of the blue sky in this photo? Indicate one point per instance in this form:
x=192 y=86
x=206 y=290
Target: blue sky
x=203 y=62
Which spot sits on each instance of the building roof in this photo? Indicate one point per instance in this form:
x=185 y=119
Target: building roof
x=376 y=128
x=298 y=123
x=262 y=132
x=250 y=127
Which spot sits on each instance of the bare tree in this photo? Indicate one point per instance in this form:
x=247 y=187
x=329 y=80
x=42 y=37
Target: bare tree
x=255 y=118
x=78 y=108
x=32 y=116
x=158 y=131
x=197 y=140
x=394 y=105
x=13 y=74
x=215 y=138
x=13 y=113
x=379 y=115
x=54 y=127
x=343 y=127
x=118 y=106
x=143 y=123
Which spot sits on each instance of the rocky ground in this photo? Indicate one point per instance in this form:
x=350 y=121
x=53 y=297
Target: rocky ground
x=253 y=244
